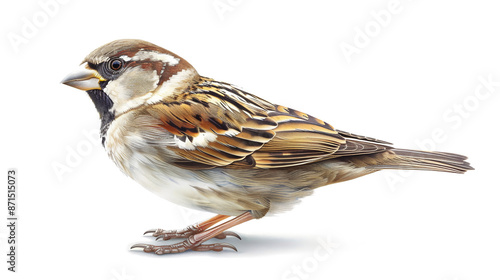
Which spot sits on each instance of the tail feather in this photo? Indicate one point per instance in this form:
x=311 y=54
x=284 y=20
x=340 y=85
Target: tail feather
x=421 y=160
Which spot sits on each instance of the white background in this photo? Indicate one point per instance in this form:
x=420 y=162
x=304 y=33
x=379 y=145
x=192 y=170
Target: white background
x=413 y=77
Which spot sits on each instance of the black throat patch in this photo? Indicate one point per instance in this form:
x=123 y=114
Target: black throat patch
x=103 y=104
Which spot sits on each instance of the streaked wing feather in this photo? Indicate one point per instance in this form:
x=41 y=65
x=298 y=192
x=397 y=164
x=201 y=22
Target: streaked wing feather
x=218 y=125
x=213 y=128
x=354 y=147
x=361 y=137
x=300 y=139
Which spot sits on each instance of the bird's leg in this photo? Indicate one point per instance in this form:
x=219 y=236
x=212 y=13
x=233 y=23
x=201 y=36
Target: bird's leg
x=194 y=242
x=192 y=229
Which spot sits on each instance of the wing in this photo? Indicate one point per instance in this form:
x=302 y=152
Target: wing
x=217 y=125
x=299 y=139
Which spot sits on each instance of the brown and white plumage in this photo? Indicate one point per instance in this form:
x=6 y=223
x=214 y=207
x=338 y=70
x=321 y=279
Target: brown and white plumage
x=206 y=144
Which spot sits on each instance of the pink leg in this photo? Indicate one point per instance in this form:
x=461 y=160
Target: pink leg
x=194 y=242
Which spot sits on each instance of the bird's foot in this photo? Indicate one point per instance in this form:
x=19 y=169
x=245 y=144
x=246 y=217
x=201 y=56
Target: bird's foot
x=169 y=234
x=185 y=233
x=188 y=244
x=196 y=235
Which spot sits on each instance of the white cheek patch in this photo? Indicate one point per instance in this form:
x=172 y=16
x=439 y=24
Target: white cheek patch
x=201 y=140
x=136 y=87
x=133 y=88
x=155 y=56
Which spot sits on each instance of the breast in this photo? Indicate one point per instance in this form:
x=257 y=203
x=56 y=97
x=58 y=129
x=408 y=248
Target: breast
x=138 y=148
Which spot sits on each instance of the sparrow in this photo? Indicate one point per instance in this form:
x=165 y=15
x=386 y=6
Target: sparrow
x=212 y=146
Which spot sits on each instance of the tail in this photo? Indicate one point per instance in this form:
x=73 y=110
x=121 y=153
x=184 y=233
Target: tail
x=418 y=160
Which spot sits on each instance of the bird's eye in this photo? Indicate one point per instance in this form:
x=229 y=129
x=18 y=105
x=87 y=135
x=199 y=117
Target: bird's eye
x=115 y=64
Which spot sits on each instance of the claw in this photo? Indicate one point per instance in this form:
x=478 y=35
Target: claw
x=150 y=231
x=230 y=246
x=226 y=234
x=232 y=233
x=145 y=247
x=138 y=246
x=161 y=237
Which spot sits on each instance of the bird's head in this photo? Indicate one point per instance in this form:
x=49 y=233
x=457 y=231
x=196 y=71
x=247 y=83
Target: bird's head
x=125 y=74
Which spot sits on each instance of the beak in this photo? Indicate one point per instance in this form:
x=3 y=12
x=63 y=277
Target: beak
x=84 y=78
